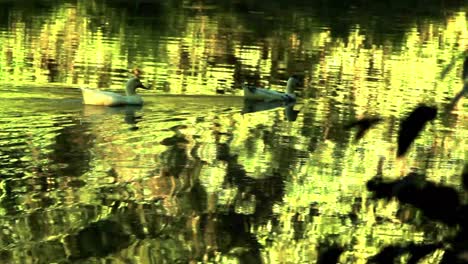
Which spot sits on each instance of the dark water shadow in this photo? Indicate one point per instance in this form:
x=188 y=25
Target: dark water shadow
x=437 y=203
x=128 y=112
x=99 y=239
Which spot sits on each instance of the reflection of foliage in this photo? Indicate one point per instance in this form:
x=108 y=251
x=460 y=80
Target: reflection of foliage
x=175 y=157
x=328 y=252
x=97 y=240
x=91 y=43
x=272 y=187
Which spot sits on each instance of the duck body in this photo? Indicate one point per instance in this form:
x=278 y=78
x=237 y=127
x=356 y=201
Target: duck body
x=97 y=97
x=262 y=94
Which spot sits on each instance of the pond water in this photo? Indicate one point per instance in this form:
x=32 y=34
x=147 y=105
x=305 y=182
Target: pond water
x=198 y=175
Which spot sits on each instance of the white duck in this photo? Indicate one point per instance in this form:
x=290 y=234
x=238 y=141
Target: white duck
x=97 y=97
x=262 y=94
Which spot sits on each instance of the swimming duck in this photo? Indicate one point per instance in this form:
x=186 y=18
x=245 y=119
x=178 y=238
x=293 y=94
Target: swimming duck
x=96 y=97
x=262 y=94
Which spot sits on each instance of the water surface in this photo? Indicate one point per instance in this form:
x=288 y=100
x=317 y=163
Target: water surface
x=198 y=175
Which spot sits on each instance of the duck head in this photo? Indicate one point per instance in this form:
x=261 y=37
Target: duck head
x=137 y=72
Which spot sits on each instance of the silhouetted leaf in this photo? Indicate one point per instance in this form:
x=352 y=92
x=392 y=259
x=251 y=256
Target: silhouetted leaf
x=411 y=126
x=437 y=202
x=418 y=252
x=465 y=177
x=363 y=125
x=387 y=255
